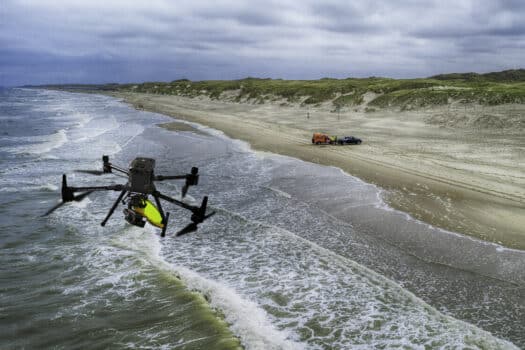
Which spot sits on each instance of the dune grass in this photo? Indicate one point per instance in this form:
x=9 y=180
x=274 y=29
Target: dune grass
x=494 y=88
x=486 y=89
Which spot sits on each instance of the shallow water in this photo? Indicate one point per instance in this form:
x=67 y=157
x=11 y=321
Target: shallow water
x=298 y=255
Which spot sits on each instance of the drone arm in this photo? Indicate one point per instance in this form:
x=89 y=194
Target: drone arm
x=199 y=213
x=103 y=223
x=174 y=201
x=68 y=193
x=97 y=188
x=170 y=177
x=192 y=179
x=119 y=169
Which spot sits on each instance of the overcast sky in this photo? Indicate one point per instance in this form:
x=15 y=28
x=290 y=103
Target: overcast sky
x=100 y=41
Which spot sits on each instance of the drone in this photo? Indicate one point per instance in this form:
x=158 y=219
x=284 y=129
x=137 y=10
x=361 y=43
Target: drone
x=135 y=195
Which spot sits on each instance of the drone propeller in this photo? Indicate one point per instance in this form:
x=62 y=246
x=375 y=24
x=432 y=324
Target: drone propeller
x=68 y=195
x=193 y=226
x=107 y=168
x=188 y=229
x=97 y=172
x=92 y=172
x=76 y=198
x=199 y=215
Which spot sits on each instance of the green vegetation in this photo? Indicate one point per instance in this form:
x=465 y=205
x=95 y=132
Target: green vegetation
x=353 y=99
x=513 y=75
x=486 y=89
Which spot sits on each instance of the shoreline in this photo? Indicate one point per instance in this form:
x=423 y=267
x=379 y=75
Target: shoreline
x=491 y=213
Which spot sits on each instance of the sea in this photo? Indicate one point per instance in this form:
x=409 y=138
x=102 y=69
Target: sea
x=298 y=255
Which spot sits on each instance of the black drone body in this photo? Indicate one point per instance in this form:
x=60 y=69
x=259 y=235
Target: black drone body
x=135 y=194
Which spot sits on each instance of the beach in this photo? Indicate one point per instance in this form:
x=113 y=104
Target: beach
x=431 y=164
x=298 y=255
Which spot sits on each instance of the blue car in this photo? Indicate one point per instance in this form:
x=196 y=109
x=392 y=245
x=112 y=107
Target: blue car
x=349 y=140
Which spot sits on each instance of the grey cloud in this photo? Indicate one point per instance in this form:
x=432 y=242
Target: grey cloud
x=124 y=41
x=343 y=17
x=247 y=17
x=465 y=31
x=512 y=5
x=502 y=18
x=510 y=31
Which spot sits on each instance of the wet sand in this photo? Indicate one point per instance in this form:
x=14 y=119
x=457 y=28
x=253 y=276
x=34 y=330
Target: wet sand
x=466 y=179
x=179 y=126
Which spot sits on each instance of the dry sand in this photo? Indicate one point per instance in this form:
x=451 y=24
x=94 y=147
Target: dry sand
x=454 y=167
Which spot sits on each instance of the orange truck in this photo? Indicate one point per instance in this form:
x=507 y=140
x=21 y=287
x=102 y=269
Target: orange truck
x=319 y=139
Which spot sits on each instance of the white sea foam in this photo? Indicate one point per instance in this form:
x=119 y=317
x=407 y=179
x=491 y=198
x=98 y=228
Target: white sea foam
x=247 y=320
x=91 y=128
x=314 y=289
x=17 y=187
x=48 y=157
x=48 y=187
x=280 y=192
x=84 y=203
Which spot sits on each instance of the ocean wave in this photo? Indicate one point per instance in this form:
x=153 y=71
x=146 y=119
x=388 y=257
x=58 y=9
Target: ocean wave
x=37 y=145
x=320 y=297
x=247 y=320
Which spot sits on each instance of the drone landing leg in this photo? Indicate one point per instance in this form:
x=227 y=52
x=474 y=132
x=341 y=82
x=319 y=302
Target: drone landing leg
x=165 y=221
x=159 y=205
x=165 y=217
x=103 y=223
